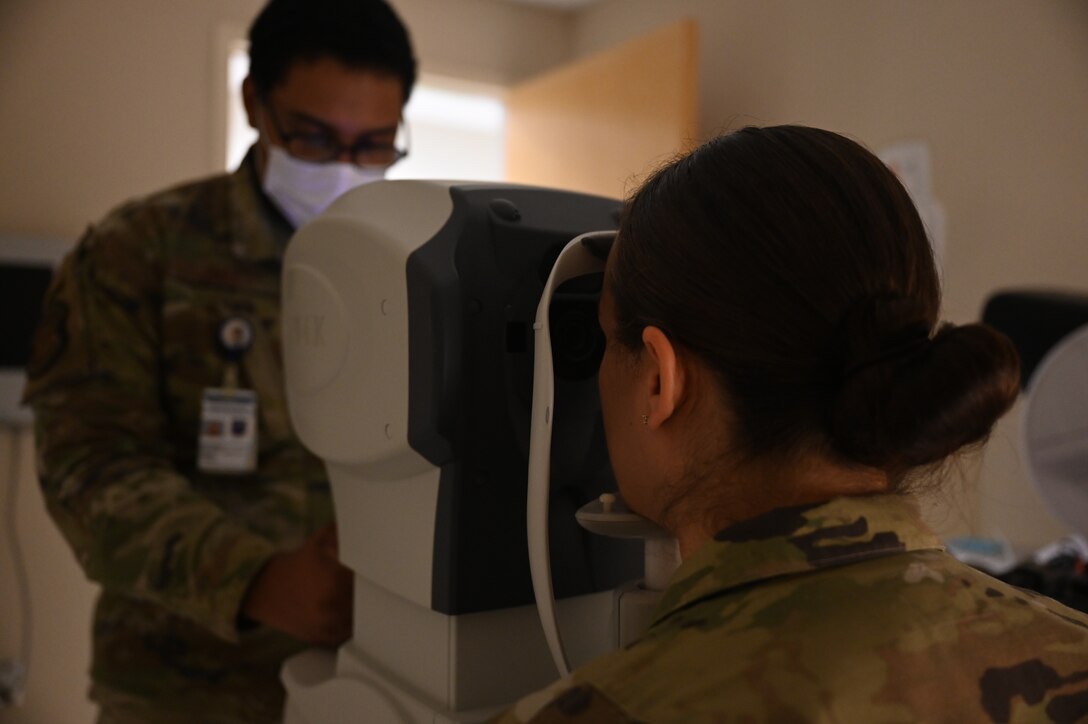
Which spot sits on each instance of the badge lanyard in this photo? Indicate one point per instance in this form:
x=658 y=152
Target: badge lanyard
x=228 y=414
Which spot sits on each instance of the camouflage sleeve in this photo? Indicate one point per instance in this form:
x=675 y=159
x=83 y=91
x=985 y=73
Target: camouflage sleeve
x=105 y=460
x=566 y=702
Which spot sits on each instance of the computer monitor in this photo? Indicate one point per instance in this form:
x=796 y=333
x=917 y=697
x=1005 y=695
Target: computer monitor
x=26 y=268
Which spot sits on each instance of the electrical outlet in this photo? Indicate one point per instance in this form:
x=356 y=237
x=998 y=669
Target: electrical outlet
x=12 y=683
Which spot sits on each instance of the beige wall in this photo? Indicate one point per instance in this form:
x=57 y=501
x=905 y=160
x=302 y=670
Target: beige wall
x=999 y=91
x=103 y=99
x=61 y=601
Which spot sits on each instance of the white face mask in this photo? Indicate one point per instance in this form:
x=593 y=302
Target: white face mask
x=302 y=189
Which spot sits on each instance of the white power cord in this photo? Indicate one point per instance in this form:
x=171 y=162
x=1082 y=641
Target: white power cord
x=576 y=259
x=13 y=674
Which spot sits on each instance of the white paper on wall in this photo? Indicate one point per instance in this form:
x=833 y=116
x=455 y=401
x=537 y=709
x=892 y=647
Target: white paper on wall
x=910 y=160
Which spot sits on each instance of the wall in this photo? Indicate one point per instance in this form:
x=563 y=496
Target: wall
x=103 y=100
x=61 y=599
x=998 y=89
x=112 y=98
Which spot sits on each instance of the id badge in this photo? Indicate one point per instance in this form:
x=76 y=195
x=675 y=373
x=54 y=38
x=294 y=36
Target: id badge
x=228 y=431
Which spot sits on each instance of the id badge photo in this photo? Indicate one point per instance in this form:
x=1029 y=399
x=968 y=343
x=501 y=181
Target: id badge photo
x=228 y=431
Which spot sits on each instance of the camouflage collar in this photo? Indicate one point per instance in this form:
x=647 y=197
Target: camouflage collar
x=794 y=540
x=258 y=231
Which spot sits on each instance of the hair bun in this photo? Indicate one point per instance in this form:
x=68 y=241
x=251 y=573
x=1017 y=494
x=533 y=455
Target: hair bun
x=877 y=328
x=900 y=411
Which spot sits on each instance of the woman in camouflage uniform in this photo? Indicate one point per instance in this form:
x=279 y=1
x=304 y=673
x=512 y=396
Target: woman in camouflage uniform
x=775 y=382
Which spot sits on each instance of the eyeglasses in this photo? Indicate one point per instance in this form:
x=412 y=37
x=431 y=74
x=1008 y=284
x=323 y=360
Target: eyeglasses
x=322 y=146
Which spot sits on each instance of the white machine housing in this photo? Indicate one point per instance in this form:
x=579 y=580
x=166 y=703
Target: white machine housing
x=1055 y=430
x=408 y=309
x=1050 y=330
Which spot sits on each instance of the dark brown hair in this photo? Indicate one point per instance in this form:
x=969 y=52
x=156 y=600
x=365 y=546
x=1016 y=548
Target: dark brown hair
x=793 y=262
x=361 y=34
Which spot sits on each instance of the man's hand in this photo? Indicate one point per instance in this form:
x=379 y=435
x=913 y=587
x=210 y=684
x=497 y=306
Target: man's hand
x=305 y=593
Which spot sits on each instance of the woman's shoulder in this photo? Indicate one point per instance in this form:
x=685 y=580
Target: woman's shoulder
x=917 y=632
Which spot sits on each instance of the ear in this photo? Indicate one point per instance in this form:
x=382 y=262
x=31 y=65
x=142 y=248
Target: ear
x=251 y=102
x=665 y=376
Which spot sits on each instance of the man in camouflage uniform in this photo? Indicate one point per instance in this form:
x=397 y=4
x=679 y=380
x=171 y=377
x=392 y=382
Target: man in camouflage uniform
x=209 y=580
x=847 y=611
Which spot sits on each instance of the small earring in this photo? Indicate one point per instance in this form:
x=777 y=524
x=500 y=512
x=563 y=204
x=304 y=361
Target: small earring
x=645 y=419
